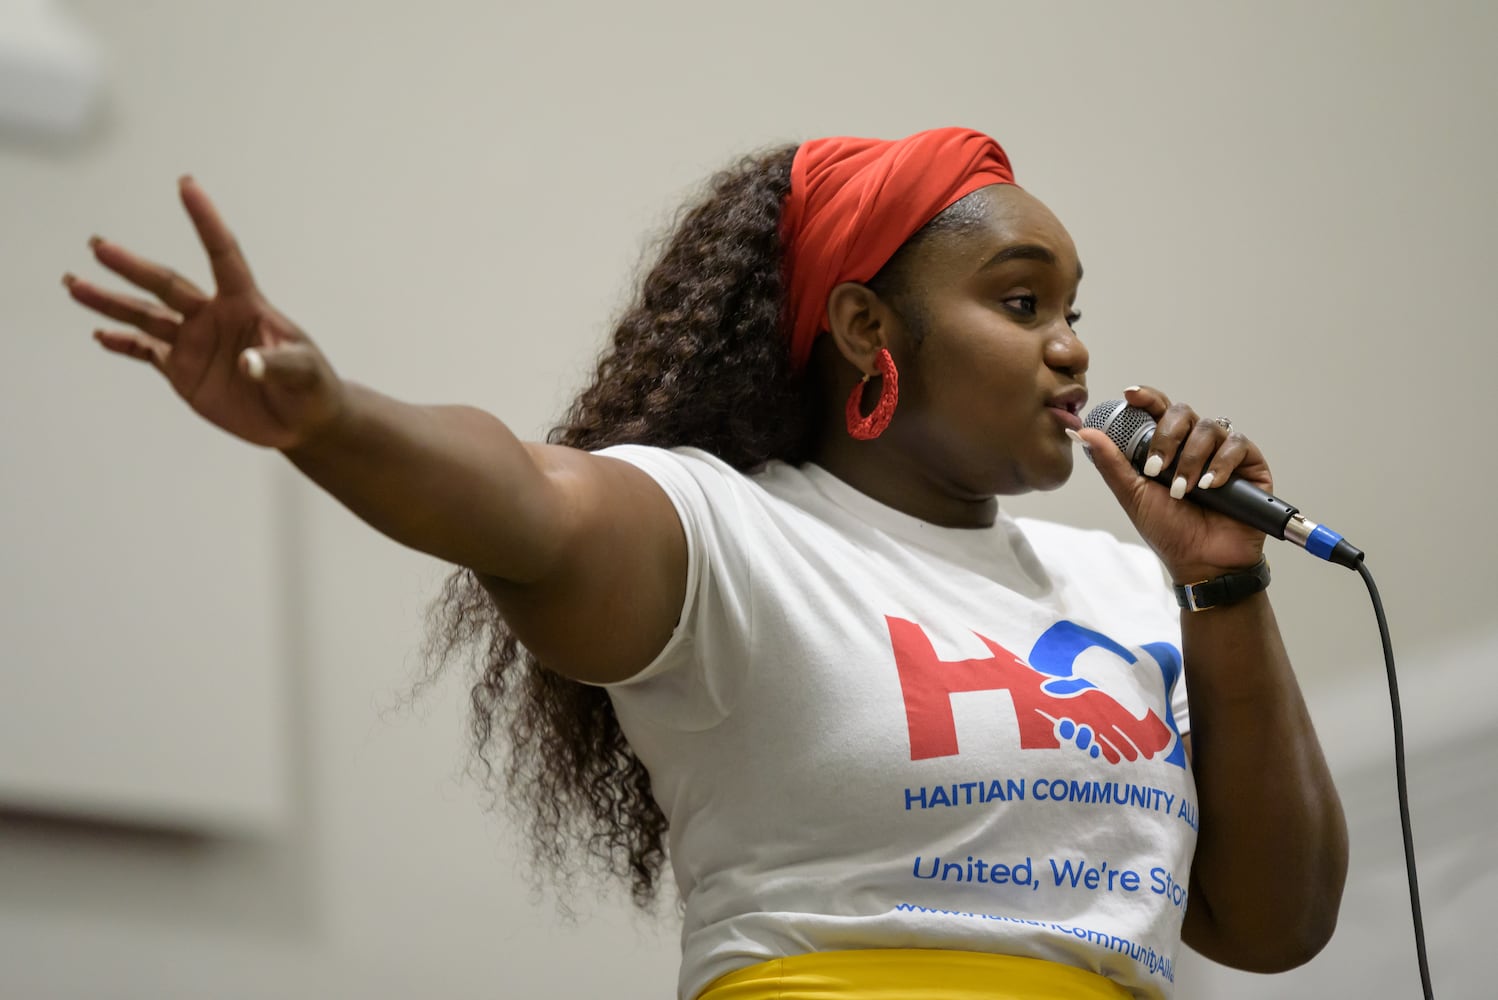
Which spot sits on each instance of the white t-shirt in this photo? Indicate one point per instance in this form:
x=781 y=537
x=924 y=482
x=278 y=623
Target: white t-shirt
x=868 y=731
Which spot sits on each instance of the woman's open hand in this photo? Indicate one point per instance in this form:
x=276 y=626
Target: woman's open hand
x=232 y=356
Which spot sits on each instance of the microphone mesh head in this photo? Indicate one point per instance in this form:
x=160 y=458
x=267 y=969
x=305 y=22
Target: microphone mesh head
x=1126 y=426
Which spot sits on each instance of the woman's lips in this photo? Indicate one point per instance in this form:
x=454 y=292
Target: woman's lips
x=1066 y=416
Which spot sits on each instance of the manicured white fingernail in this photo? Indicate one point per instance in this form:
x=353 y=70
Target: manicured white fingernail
x=1178 y=488
x=1205 y=483
x=1152 y=466
x=255 y=363
x=1086 y=449
x=1131 y=388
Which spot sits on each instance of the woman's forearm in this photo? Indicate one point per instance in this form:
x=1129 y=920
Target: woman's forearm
x=451 y=481
x=1271 y=855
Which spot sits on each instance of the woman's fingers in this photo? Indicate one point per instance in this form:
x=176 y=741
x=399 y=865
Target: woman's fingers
x=155 y=320
x=1148 y=399
x=1230 y=455
x=1172 y=427
x=1200 y=447
x=1203 y=452
x=1237 y=455
x=167 y=285
x=137 y=345
x=230 y=272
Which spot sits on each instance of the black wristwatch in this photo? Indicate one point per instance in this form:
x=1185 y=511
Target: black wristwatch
x=1220 y=591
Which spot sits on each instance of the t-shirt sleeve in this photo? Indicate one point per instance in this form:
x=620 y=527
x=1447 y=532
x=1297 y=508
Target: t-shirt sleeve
x=717 y=611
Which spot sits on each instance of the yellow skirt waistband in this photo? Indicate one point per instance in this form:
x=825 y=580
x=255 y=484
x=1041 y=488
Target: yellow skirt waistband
x=911 y=974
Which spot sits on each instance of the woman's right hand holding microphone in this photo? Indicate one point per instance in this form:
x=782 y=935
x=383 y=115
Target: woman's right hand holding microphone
x=232 y=356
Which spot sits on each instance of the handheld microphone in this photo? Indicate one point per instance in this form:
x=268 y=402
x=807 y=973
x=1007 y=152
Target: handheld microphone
x=1131 y=429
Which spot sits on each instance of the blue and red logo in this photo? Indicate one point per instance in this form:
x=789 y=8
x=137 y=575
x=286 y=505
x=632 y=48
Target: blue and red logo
x=1052 y=702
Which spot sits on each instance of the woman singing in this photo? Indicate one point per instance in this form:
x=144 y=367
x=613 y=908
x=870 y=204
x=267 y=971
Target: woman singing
x=755 y=606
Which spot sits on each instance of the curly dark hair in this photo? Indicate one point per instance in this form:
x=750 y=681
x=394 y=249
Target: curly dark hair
x=699 y=359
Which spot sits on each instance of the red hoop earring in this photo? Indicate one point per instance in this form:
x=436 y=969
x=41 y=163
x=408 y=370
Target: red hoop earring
x=863 y=428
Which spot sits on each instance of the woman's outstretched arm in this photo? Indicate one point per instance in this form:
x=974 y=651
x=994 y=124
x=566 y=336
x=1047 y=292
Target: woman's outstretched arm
x=560 y=536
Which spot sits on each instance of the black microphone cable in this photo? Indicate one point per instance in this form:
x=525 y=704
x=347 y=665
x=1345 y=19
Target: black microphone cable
x=1401 y=781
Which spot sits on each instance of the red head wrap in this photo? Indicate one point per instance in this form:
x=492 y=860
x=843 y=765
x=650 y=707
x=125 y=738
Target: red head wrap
x=854 y=202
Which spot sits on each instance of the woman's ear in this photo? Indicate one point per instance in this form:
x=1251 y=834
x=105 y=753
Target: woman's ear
x=859 y=323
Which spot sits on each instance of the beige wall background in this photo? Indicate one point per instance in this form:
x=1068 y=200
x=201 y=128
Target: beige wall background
x=1284 y=210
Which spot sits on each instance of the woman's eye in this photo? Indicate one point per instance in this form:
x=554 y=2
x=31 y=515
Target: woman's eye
x=1029 y=305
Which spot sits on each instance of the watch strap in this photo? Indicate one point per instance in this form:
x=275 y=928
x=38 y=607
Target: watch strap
x=1221 y=591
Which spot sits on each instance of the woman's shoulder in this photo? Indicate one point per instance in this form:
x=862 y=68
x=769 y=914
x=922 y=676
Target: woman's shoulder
x=681 y=464
x=706 y=468
x=683 y=456
x=1088 y=550
x=697 y=479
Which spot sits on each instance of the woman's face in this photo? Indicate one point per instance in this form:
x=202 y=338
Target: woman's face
x=986 y=397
